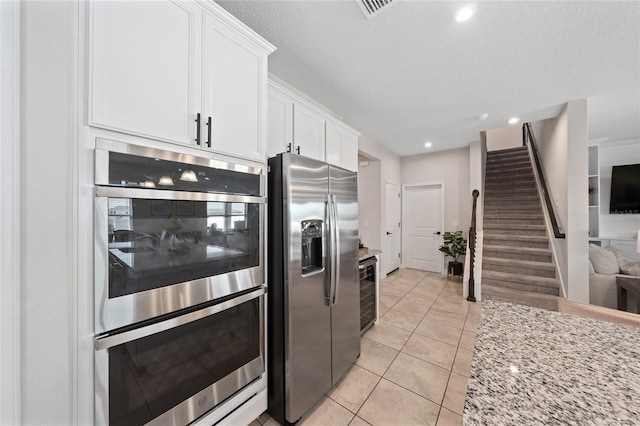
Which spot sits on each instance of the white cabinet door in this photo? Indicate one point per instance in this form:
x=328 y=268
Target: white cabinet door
x=349 y=150
x=280 y=123
x=341 y=146
x=308 y=132
x=232 y=84
x=143 y=70
x=333 y=145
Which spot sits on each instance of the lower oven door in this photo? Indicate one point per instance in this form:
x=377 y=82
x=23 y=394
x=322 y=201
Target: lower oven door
x=174 y=371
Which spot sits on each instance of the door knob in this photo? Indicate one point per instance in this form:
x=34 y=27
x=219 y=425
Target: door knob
x=436 y=233
x=388 y=233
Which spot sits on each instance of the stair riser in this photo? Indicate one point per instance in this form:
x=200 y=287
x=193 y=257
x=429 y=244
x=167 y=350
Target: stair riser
x=516 y=202
x=511 y=209
x=513 y=221
x=514 y=243
x=523 y=287
x=501 y=173
x=510 y=188
x=517 y=256
x=514 y=233
x=509 y=183
x=507 y=163
x=520 y=270
x=519 y=192
x=507 y=215
x=501 y=182
x=519 y=153
x=509 y=167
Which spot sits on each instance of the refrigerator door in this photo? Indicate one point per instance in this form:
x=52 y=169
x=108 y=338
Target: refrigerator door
x=345 y=312
x=307 y=322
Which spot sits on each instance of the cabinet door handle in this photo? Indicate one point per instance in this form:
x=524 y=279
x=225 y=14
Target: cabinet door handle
x=198 y=129
x=209 y=132
x=289 y=147
x=298 y=150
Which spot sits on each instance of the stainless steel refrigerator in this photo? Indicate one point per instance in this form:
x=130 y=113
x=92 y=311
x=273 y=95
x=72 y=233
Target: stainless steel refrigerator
x=313 y=322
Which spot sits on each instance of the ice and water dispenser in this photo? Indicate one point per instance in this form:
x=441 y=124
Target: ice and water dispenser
x=311 y=246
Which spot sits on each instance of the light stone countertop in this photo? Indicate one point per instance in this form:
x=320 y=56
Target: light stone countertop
x=531 y=366
x=366 y=254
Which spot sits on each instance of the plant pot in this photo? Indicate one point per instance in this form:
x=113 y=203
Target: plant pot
x=455 y=268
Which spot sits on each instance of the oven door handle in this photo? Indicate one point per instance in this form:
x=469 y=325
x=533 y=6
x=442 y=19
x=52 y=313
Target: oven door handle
x=154 y=194
x=108 y=341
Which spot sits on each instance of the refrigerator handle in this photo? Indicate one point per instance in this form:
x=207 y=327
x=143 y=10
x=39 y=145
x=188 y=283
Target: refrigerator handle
x=332 y=251
x=336 y=231
x=328 y=253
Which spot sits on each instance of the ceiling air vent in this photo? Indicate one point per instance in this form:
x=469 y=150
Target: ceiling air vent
x=371 y=8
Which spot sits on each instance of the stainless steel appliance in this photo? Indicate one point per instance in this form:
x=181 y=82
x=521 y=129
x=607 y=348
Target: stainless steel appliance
x=173 y=371
x=314 y=292
x=368 y=295
x=179 y=284
x=172 y=231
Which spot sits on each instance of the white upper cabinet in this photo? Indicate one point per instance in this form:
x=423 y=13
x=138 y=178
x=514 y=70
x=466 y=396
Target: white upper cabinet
x=342 y=145
x=178 y=71
x=234 y=81
x=280 y=123
x=308 y=132
x=294 y=126
x=143 y=70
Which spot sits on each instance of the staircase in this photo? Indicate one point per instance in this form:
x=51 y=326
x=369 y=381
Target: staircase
x=517 y=264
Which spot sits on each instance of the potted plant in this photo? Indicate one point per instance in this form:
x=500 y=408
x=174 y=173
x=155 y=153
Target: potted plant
x=454 y=245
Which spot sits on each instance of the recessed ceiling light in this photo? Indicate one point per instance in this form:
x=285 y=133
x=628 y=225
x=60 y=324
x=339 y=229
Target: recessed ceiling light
x=513 y=120
x=428 y=144
x=482 y=117
x=465 y=12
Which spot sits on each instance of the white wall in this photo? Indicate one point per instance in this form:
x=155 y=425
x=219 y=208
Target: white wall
x=616 y=154
x=389 y=172
x=369 y=204
x=48 y=31
x=10 y=216
x=504 y=138
x=452 y=168
x=563 y=148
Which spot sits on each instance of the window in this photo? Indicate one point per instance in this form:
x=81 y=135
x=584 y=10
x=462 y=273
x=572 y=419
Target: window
x=226 y=216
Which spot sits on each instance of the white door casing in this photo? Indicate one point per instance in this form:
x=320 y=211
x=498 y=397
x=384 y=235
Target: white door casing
x=423 y=224
x=392 y=226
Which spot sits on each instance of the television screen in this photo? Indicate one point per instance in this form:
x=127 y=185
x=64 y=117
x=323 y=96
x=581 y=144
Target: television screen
x=625 y=189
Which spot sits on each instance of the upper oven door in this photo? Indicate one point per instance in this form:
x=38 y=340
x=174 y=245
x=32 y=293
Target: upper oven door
x=159 y=251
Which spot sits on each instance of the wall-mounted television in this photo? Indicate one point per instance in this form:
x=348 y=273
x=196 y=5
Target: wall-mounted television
x=625 y=189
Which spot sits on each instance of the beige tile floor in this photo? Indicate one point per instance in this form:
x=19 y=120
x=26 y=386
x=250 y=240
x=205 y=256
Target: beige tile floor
x=414 y=363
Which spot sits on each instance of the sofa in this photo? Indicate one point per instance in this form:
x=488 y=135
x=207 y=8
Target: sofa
x=605 y=264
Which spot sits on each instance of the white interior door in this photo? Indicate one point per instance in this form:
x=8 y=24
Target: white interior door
x=392 y=225
x=422 y=218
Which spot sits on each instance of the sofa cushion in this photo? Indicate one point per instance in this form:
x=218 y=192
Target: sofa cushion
x=604 y=261
x=630 y=267
x=627 y=266
x=591 y=270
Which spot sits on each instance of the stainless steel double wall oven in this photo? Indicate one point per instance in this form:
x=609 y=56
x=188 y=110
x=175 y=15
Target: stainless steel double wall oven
x=179 y=274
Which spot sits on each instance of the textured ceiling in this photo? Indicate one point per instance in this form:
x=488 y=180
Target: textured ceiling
x=412 y=74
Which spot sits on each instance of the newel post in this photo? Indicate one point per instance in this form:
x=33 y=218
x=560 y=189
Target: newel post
x=472 y=247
